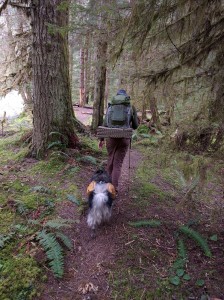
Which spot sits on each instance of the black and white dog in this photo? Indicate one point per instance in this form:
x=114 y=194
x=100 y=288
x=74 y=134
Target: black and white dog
x=101 y=194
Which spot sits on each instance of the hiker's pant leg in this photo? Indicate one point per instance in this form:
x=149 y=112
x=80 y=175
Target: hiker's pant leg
x=111 y=148
x=117 y=149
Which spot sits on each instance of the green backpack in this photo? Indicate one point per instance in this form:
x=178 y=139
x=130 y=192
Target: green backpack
x=119 y=112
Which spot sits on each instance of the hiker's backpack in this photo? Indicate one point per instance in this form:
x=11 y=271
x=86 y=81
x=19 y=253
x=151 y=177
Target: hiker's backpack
x=119 y=112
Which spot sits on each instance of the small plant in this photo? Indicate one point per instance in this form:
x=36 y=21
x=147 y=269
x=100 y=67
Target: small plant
x=50 y=238
x=198 y=238
x=59 y=140
x=178 y=267
x=150 y=223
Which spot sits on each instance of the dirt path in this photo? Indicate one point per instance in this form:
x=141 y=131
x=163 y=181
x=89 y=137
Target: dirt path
x=88 y=266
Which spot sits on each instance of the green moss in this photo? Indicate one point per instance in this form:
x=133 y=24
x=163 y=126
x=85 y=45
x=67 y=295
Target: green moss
x=32 y=200
x=3 y=198
x=148 y=192
x=18 y=186
x=18 y=276
x=6 y=219
x=48 y=167
x=10 y=150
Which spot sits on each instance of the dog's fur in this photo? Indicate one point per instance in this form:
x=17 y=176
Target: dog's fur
x=100 y=200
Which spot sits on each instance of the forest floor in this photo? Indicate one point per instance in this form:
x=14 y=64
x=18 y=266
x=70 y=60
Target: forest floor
x=128 y=260
x=88 y=276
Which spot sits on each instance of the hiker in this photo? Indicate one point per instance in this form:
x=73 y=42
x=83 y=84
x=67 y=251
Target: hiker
x=118 y=147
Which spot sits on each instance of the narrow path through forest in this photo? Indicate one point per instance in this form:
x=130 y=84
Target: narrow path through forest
x=87 y=266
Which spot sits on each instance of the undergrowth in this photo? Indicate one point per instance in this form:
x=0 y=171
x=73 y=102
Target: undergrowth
x=28 y=199
x=164 y=240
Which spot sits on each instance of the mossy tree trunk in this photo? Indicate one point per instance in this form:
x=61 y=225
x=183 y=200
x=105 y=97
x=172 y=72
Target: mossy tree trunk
x=53 y=115
x=100 y=82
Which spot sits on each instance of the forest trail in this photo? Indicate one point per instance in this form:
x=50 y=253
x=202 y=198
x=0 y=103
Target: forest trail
x=87 y=266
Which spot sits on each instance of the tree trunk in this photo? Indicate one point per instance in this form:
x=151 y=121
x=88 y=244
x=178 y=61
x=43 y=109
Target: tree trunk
x=154 y=112
x=100 y=81
x=82 y=78
x=53 y=113
x=107 y=88
x=87 y=72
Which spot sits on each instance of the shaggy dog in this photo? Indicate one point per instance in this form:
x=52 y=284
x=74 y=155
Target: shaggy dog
x=101 y=194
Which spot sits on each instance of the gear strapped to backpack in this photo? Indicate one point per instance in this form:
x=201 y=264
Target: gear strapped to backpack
x=119 y=112
x=118 y=119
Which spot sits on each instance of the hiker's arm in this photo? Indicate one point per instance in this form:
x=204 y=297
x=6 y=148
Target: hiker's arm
x=134 y=118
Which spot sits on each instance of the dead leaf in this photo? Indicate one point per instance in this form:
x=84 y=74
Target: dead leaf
x=88 y=287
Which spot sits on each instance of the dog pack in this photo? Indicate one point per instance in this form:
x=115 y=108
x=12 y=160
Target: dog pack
x=117 y=119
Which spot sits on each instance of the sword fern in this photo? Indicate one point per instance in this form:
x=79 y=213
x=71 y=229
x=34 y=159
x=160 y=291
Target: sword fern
x=197 y=237
x=53 y=251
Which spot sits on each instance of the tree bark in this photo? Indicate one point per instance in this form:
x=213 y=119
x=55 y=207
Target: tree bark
x=82 y=78
x=53 y=113
x=154 y=112
x=100 y=81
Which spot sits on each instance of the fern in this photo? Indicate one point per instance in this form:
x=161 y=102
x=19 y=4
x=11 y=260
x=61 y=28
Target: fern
x=66 y=241
x=181 y=249
x=41 y=189
x=73 y=199
x=53 y=251
x=56 y=144
x=151 y=223
x=21 y=208
x=198 y=238
x=58 y=223
x=88 y=159
x=4 y=238
x=34 y=222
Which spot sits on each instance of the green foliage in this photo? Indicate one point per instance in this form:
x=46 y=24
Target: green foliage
x=41 y=189
x=58 y=223
x=65 y=240
x=214 y=237
x=143 y=129
x=186 y=277
x=49 y=238
x=182 y=253
x=196 y=236
x=46 y=167
x=200 y=282
x=6 y=149
x=88 y=159
x=149 y=189
x=18 y=275
x=144 y=223
x=178 y=267
x=4 y=238
x=56 y=144
x=21 y=207
x=73 y=199
x=175 y=280
x=53 y=251
x=6 y=219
